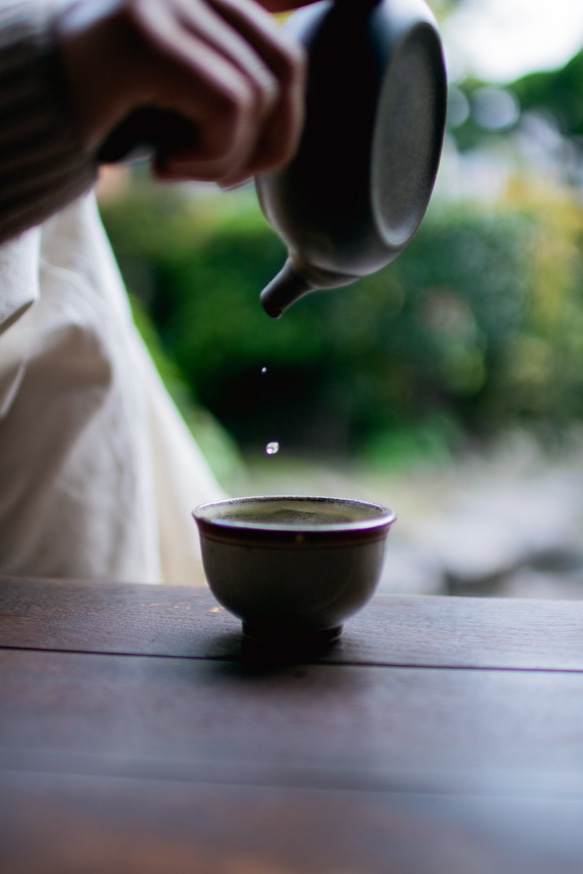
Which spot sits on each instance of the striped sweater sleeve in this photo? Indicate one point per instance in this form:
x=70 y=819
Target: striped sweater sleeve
x=42 y=162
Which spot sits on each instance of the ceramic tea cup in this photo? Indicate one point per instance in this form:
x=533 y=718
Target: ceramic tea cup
x=293 y=567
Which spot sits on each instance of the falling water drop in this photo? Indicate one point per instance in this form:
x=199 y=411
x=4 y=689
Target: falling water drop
x=264 y=370
x=272 y=448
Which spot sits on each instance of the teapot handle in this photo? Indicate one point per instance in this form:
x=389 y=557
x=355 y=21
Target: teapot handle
x=145 y=132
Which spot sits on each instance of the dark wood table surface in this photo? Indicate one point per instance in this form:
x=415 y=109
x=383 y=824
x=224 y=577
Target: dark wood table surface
x=440 y=736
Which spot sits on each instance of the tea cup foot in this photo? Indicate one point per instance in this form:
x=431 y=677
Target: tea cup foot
x=265 y=639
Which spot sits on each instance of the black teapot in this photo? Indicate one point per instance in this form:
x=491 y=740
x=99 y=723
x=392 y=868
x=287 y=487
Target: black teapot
x=360 y=183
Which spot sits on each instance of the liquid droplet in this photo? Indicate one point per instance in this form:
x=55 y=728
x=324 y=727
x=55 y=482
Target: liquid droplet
x=272 y=448
x=264 y=370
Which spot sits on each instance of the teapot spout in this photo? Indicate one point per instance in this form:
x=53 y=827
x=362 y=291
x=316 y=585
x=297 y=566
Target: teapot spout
x=284 y=289
x=293 y=282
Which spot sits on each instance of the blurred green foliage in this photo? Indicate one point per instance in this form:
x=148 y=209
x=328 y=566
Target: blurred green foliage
x=476 y=327
x=559 y=92
x=555 y=95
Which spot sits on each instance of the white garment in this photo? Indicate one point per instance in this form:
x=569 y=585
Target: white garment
x=98 y=472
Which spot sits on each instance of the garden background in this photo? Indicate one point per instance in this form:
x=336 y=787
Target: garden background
x=449 y=385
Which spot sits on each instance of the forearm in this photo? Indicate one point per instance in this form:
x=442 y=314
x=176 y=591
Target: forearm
x=43 y=165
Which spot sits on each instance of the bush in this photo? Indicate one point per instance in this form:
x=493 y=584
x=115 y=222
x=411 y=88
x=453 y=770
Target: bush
x=479 y=323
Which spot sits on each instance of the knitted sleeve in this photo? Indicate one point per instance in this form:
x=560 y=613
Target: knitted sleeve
x=42 y=162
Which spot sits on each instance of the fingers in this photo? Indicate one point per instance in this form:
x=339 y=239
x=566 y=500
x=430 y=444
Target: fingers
x=222 y=64
x=239 y=78
x=277 y=140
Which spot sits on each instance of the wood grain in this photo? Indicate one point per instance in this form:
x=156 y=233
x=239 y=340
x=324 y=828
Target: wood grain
x=442 y=736
x=326 y=726
x=60 y=824
x=115 y=617
x=391 y=630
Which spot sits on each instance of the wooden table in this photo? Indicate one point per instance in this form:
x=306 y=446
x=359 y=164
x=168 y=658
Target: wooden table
x=441 y=736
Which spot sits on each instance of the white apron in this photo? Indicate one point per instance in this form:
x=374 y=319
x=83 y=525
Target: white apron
x=98 y=471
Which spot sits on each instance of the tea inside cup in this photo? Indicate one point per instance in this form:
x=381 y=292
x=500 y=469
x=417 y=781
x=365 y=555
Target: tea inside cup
x=293 y=567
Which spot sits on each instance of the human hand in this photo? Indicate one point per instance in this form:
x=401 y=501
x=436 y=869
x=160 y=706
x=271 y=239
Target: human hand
x=221 y=65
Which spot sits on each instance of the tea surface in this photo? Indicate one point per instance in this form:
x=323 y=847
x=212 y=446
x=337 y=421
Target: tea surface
x=294 y=512
x=288 y=516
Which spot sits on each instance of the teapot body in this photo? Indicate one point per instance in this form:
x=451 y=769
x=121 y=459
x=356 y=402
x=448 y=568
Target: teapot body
x=359 y=184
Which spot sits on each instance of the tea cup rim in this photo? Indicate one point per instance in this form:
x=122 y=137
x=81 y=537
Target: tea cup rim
x=381 y=516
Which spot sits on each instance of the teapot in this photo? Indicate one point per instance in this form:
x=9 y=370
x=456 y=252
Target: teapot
x=358 y=187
